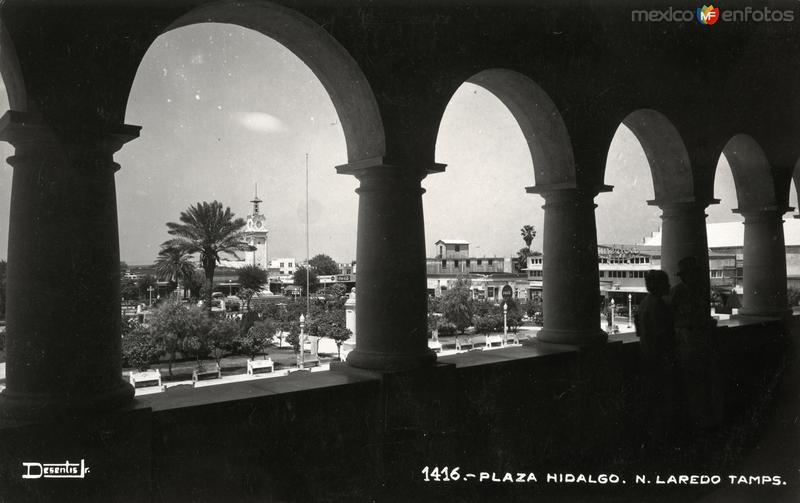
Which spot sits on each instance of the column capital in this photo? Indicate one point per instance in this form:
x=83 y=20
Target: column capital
x=760 y=213
x=379 y=166
x=682 y=203
x=567 y=189
x=23 y=128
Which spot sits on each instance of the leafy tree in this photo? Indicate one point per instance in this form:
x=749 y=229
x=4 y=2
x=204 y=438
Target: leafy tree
x=323 y=265
x=129 y=290
x=522 y=258
x=123 y=268
x=457 y=304
x=174 y=265
x=143 y=284
x=209 y=230
x=252 y=279
x=513 y=316
x=293 y=335
x=177 y=327
x=257 y=339
x=139 y=349
x=300 y=280
x=220 y=339
x=330 y=324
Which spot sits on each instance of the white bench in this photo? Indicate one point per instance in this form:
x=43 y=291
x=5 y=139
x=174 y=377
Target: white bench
x=310 y=361
x=202 y=375
x=260 y=366
x=146 y=378
x=436 y=346
x=460 y=345
x=492 y=340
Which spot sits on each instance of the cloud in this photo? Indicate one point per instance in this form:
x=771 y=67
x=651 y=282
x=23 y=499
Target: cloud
x=260 y=122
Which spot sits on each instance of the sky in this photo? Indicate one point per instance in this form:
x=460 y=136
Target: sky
x=223 y=108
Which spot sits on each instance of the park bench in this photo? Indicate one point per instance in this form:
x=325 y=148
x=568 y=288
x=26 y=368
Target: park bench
x=436 y=346
x=461 y=345
x=309 y=361
x=145 y=378
x=203 y=374
x=493 y=340
x=260 y=366
x=512 y=336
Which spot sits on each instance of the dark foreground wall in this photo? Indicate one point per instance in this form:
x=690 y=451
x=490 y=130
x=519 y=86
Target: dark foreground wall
x=349 y=435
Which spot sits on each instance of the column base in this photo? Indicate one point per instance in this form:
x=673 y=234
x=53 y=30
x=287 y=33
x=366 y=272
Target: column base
x=574 y=337
x=373 y=360
x=771 y=311
x=21 y=408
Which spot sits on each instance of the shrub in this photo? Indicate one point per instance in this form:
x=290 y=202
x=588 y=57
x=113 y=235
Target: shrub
x=139 y=350
x=447 y=329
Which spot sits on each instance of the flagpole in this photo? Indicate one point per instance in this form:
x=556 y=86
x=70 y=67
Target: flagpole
x=308 y=256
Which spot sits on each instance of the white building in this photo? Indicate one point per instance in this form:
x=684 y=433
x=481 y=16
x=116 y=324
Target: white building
x=283 y=266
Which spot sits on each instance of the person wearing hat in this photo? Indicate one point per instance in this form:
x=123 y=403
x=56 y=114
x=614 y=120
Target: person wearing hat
x=696 y=355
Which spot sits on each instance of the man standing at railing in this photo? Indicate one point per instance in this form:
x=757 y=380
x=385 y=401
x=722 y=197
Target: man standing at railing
x=696 y=350
x=654 y=327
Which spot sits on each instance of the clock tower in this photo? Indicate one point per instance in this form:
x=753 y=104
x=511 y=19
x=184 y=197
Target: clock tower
x=256 y=235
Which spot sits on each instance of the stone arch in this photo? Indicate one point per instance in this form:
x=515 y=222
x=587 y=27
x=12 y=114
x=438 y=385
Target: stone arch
x=666 y=154
x=338 y=72
x=11 y=72
x=752 y=175
x=540 y=121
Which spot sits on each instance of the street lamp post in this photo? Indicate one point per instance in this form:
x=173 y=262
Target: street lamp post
x=229 y=288
x=629 y=310
x=302 y=336
x=612 y=316
x=505 y=323
x=150 y=291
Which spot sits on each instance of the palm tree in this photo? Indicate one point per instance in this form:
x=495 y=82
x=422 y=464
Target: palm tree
x=209 y=230
x=528 y=232
x=174 y=264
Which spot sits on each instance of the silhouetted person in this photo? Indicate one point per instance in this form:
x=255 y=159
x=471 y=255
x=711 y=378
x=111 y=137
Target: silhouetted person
x=689 y=301
x=655 y=329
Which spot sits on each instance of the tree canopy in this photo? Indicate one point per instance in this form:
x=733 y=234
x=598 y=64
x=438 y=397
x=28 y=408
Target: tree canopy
x=323 y=265
x=300 y=280
x=456 y=304
x=251 y=279
x=175 y=265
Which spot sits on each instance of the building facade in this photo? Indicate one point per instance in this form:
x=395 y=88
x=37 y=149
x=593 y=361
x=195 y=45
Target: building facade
x=487 y=275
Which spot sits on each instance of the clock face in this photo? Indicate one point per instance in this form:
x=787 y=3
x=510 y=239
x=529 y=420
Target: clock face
x=258 y=224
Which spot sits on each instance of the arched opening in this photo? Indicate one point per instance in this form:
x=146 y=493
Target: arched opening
x=339 y=74
x=628 y=228
x=623 y=215
x=480 y=199
x=498 y=105
x=223 y=108
x=681 y=232
x=746 y=246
